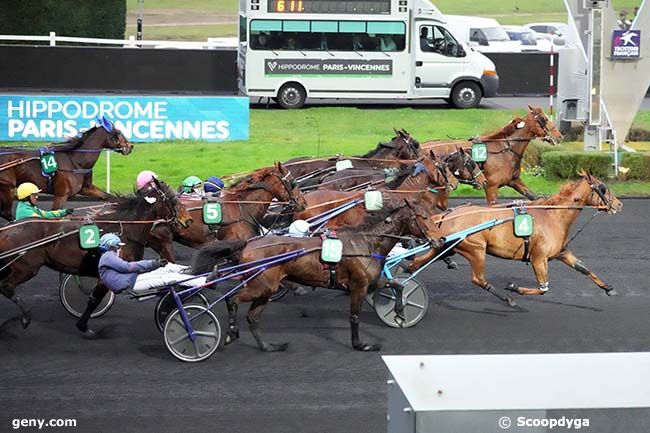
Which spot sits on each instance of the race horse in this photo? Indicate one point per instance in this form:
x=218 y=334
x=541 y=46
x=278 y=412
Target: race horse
x=308 y=171
x=364 y=250
x=552 y=221
x=131 y=217
x=243 y=204
x=460 y=163
x=75 y=159
x=505 y=151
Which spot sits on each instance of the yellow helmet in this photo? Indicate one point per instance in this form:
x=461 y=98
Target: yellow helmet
x=26 y=189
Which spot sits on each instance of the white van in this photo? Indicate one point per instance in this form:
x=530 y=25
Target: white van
x=291 y=50
x=483 y=34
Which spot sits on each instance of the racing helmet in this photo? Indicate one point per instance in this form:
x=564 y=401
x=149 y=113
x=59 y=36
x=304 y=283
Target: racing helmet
x=109 y=241
x=191 y=184
x=144 y=177
x=213 y=184
x=26 y=189
x=299 y=229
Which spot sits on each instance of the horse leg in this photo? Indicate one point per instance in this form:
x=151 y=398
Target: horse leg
x=233 y=328
x=93 y=302
x=253 y=318
x=540 y=267
x=476 y=260
x=6 y=202
x=10 y=292
x=92 y=191
x=571 y=260
x=59 y=201
x=519 y=186
x=357 y=293
x=491 y=193
x=450 y=263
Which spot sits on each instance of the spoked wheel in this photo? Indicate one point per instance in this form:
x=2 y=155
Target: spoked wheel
x=166 y=305
x=282 y=290
x=416 y=302
x=74 y=292
x=207 y=334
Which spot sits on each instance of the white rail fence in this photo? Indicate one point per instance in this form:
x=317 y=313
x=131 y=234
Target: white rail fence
x=131 y=42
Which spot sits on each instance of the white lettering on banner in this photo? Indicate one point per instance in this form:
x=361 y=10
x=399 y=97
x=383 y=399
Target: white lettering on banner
x=54 y=107
x=11 y=108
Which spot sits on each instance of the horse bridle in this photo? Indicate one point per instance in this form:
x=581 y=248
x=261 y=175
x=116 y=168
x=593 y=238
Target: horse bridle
x=472 y=167
x=173 y=219
x=115 y=136
x=442 y=169
x=603 y=193
x=542 y=122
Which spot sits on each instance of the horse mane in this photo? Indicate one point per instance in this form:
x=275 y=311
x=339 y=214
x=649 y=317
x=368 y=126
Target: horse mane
x=245 y=183
x=374 y=218
x=73 y=143
x=506 y=131
x=125 y=207
x=560 y=197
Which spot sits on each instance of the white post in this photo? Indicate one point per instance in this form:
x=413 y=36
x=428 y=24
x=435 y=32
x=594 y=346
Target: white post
x=108 y=171
x=552 y=81
x=52 y=39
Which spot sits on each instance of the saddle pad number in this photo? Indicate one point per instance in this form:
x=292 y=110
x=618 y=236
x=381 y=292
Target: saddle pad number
x=212 y=213
x=48 y=163
x=523 y=225
x=374 y=201
x=89 y=236
x=479 y=152
x=343 y=165
x=331 y=250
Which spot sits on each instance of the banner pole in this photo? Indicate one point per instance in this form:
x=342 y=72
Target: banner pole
x=108 y=171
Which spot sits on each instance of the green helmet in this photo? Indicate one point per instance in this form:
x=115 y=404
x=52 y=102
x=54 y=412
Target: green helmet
x=190 y=182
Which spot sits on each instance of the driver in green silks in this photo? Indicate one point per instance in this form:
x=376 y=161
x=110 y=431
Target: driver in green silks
x=28 y=195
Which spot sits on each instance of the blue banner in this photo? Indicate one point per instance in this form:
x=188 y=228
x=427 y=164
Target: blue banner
x=140 y=118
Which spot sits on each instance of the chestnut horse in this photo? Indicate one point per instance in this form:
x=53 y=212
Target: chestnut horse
x=364 y=251
x=244 y=205
x=402 y=146
x=65 y=255
x=506 y=150
x=75 y=159
x=552 y=220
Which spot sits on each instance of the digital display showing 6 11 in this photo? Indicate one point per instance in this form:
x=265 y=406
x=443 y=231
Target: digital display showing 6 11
x=329 y=6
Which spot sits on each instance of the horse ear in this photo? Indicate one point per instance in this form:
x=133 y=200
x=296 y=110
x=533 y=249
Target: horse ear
x=530 y=107
x=432 y=155
x=396 y=131
x=582 y=173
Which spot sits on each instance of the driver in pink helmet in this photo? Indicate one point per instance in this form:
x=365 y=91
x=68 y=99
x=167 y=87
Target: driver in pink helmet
x=143 y=179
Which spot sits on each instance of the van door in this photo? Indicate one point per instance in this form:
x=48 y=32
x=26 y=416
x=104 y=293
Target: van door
x=438 y=60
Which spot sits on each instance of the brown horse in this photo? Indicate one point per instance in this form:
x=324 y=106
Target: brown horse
x=364 y=249
x=552 y=220
x=429 y=173
x=244 y=205
x=75 y=159
x=506 y=150
x=460 y=163
x=132 y=217
x=403 y=146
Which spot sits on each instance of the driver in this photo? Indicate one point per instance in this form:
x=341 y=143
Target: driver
x=28 y=195
x=115 y=274
x=192 y=187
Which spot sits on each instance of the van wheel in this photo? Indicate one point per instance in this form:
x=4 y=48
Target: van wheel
x=466 y=94
x=292 y=95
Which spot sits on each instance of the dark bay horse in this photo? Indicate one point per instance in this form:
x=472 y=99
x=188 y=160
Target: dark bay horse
x=428 y=173
x=360 y=269
x=460 y=163
x=552 y=220
x=132 y=217
x=506 y=150
x=75 y=158
x=244 y=205
x=401 y=147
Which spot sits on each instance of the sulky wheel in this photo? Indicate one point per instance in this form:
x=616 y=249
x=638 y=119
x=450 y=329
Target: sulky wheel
x=416 y=302
x=166 y=305
x=74 y=291
x=207 y=334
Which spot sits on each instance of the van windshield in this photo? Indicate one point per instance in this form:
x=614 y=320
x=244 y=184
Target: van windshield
x=495 y=34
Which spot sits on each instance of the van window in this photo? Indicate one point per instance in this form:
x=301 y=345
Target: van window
x=436 y=39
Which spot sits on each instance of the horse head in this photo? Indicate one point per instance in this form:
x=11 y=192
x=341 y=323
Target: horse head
x=600 y=194
x=540 y=125
x=164 y=203
x=466 y=169
x=113 y=137
x=407 y=146
x=438 y=173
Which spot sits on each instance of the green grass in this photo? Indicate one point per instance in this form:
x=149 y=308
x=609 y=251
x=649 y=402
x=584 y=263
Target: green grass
x=185 y=33
x=278 y=135
x=505 y=11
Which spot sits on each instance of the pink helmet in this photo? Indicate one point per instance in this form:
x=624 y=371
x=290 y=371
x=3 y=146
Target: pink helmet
x=144 y=177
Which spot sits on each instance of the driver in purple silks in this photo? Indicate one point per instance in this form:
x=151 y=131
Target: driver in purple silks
x=116 y=274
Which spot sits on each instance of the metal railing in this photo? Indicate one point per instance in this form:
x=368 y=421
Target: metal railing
x=131 y=42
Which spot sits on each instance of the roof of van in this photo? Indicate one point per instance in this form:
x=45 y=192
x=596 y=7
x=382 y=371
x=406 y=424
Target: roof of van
x=473 y=21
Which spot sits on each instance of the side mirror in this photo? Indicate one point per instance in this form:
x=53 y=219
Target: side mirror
x=461 y=52
x=483 y=41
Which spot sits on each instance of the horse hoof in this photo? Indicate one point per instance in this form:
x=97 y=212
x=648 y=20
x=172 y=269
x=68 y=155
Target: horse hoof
x=230 y=337
x=270 y=347
x=512 y=287
x=89 y=334
x=611 y=292
x=511 y=302
x=26 y=319
x=300 y=291
x=452 y=265
x=365 y=347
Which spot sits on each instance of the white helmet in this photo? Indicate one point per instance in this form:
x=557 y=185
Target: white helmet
x=299 y=229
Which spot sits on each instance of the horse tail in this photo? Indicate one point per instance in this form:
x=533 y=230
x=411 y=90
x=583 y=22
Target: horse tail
x=214 y=253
